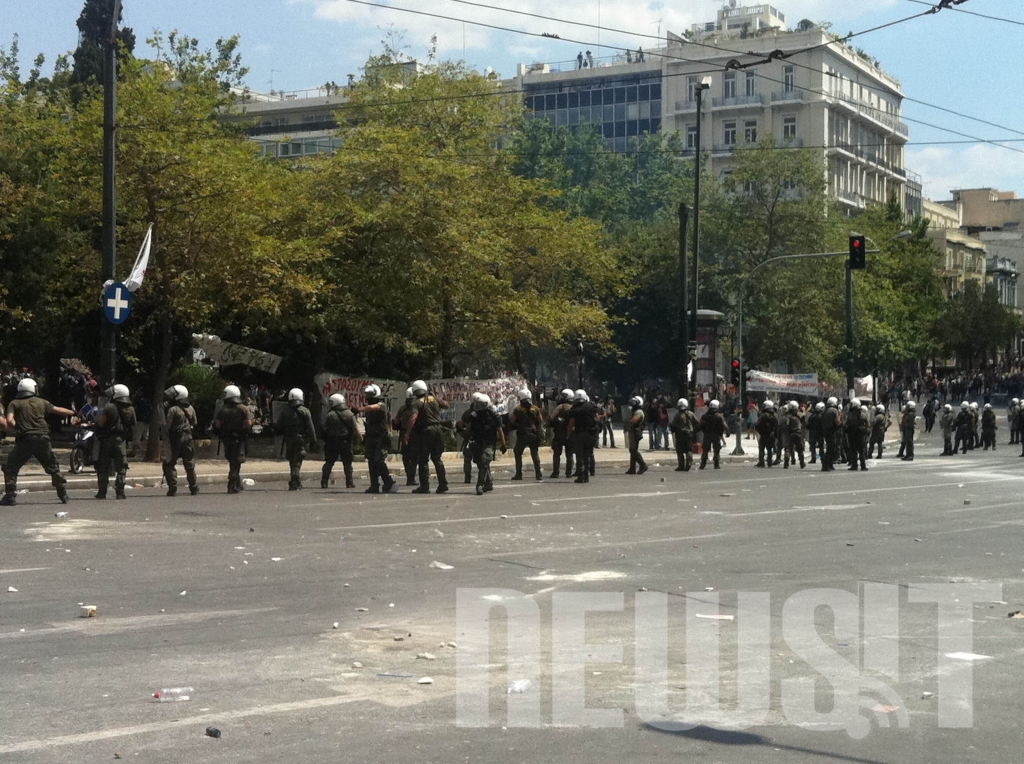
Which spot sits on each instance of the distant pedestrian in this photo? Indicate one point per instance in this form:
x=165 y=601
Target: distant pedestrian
x=590 y=59
x=640 y=56
x=579 y=60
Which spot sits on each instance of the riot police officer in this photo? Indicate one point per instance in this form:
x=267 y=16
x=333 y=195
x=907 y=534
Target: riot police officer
x=637 y=422
x=713 y=425
x=582 y=434
x=26 y=416
x=376 y=441
x=483 y=432
x=232 y=425
x=684 y=426
x=766 y=426
x=339 y=434
x=180 y=420
x=831 y=421
x=856 y=428
x=559 y=433
x=526 y=420
x=114 y=427
x=296 y=425
x=795 y=441
x=907 y=426
x=425 y=434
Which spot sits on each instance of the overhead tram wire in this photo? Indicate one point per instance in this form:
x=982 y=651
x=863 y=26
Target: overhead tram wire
x=974 y=13
x=934 y=9
x=787 y=56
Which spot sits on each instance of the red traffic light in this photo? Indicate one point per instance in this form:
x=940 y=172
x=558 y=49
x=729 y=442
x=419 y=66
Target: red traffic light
x=735 y=364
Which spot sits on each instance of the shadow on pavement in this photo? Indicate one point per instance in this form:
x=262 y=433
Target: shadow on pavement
x=735 y=737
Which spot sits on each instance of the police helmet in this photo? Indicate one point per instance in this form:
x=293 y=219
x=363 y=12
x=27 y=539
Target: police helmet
x=26 y=388
x=911 y=405
x=371 y=392
x=793 y=406
x=683 y=404
x=855 y=403
x=119 y=393
x=580 y=396
x=408 y=394
x=947 y=407
x=714 y=405
x=974 y=406
x=419 y=388
x=1015 y=401
x=819 y=406
x=232 y=394
x=965 y=405
x=295 y=397
x=988 y=407
x=567 y=394
x=636 y=401
x=338 y=402
x=768 y=406
x=525 y=395
x=880 y=409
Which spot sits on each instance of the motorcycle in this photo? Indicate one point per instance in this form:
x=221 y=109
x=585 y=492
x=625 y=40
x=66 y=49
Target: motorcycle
x=84 y=451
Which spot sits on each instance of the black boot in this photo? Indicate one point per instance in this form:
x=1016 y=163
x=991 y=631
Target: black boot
x=8 y=500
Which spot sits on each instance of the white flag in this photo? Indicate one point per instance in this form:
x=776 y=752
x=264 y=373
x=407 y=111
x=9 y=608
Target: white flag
x=139 y=269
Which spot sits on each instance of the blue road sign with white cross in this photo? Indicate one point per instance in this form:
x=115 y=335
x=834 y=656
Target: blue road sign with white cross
x=117 y=303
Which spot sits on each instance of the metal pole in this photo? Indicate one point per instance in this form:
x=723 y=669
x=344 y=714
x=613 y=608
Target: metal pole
x=108 y=346
x=849 y=330
x=696 y=247
x=738 y=451
x=683 y=330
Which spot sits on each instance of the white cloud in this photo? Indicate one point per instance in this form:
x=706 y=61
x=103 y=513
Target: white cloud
x=944 y=168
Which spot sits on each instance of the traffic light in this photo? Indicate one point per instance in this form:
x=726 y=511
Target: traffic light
x=736 y=372
x=858 y=247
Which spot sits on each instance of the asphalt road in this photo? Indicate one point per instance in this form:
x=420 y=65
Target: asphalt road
x=237 y=596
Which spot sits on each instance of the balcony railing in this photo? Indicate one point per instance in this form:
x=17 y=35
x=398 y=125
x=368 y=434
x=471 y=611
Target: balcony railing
x=738 y=101
x=683 y=107
x=873 y=113
x=788 y=95
x=299 y=127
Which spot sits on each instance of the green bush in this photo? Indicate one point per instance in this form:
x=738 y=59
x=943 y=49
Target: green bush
x=205 y=388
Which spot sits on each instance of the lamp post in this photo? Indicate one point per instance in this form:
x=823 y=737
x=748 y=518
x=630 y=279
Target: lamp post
x=704 y=84
x=108 y=338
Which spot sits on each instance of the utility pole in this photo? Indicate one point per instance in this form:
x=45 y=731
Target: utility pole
x=683 y=326
x=705 y=84
x=108 y=340
x=849 y=331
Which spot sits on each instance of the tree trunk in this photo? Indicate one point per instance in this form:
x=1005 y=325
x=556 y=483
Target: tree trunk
x=163 y=368
x=447 y=337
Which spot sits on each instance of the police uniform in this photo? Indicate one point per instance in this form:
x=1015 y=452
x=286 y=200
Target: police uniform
x=907 y=426
x=339 y=432
x=482 y=426
x=946 y=423
x=879 y=424
x=526 y=420
x=296 y=424
x=180 y=421
x=830 y=432
x=713 y=425
x=988 y=429
x=462 y=426
x=814 y=436
x=376 y=442
x=232 y=426
x=559 y=439
x=795 y=441
x=684 y=426
x=637 y=422
x=856 y=427
x=31 y=439
x=583 y=416
x=766 y=426
x=408 y=455
x=428 y=442
x=114 y=426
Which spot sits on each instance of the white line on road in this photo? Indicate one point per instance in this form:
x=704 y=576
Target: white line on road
x=20 y=570
x=462 y=520
x=653 y=495
x=600 y=545
x=197 y=721
x=915 y=487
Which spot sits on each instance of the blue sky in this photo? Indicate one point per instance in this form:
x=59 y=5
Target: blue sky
x=950 y=59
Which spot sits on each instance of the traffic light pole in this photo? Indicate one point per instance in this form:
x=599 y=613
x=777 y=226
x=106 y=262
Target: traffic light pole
x=739 y=320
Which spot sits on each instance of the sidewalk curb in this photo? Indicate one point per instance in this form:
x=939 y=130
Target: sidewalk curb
x=87 y=480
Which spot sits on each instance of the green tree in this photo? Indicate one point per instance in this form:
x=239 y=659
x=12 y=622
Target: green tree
x=94 y=24
x=438 y=250
x=218 y=256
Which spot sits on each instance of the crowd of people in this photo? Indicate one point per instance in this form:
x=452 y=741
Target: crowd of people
x=789 y=434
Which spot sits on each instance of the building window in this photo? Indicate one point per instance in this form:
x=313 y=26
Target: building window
x=789 y=128
x=749 y=88
x=788 y=79
x=691 y=89
x=691 y=136
x=730 y=133
x=729 y=85
x=750 y=131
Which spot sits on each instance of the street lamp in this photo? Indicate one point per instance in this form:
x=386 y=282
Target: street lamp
x=704 y=84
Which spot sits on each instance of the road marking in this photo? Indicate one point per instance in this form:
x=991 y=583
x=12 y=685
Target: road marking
x=20 y=570
x=601 y=545
x=101 y=626
x=612 y=496
x=196 y=721
x=915 y=487
x=463 y=520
